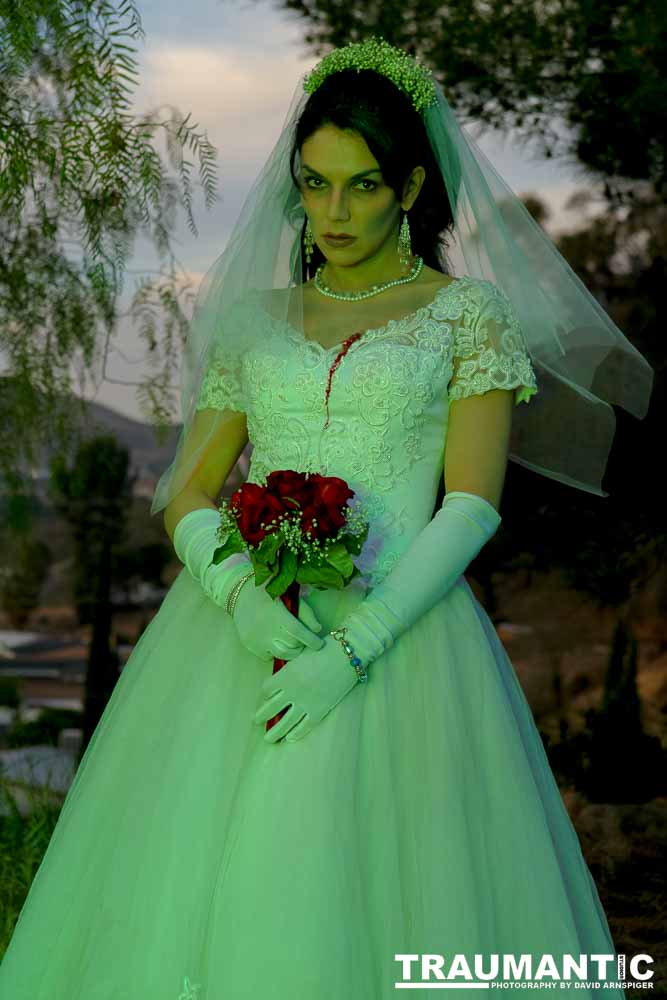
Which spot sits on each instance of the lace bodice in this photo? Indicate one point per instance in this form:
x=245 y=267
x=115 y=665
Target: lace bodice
x=382 y=425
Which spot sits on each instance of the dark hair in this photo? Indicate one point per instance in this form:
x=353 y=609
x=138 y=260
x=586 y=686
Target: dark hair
x=373 y=106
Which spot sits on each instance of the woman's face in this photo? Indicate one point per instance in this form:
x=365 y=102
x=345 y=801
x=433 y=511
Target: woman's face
x=343 y=191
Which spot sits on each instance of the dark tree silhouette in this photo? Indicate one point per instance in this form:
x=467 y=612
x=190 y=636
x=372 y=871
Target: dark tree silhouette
x=615 y=759
x=23 y=575
x=93 y=495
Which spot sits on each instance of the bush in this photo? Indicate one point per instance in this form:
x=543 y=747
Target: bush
x=45 y=729
x=9 y=692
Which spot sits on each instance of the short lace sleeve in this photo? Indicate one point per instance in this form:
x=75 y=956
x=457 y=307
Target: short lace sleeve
x=489 y=350
x=221 y=387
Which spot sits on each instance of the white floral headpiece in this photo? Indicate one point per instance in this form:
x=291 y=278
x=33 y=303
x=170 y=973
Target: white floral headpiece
x=376 y=53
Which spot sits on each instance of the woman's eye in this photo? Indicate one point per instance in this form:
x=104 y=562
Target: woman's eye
x=316 y=180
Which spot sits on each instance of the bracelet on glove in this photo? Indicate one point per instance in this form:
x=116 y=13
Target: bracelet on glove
x=360 y=669
x=232 y=597
x=337 y=633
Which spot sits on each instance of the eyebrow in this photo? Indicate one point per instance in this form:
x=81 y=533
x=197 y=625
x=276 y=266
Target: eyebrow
x=354 y=177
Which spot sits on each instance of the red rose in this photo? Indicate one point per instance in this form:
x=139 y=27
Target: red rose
x=320 y=498
x=333 y=492
x=256 y=506
x=289 y=485
x=329 y=497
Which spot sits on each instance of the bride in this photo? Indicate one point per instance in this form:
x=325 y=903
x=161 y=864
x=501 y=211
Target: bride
x=399 y=825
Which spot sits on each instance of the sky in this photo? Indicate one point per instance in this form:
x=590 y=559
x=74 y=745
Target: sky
x=234 y=66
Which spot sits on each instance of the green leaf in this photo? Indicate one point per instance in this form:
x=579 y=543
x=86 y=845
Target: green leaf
x=340 y=559
x=263 y=572
x=267 y=550
x=233 y=544
x=322 y=577
x=286 y=573
x=355 y=543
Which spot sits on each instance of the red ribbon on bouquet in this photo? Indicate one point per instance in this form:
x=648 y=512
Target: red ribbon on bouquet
x=291 y=601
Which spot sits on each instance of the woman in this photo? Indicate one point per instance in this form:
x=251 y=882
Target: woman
x=203 y=854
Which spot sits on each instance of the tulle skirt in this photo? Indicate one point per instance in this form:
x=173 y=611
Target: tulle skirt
x=194 y=861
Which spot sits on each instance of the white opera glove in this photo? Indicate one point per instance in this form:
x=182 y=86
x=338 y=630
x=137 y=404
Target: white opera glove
x=315 y=683
x=264 y=625
x=426 y=571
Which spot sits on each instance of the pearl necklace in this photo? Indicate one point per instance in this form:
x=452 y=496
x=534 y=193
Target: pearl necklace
x=418 y=263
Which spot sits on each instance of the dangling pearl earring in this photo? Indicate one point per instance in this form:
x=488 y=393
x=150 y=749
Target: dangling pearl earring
x=308 y=242
x=404 y=246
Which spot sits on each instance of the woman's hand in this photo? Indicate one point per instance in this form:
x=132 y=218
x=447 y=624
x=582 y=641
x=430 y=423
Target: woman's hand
x=267 y=629
x=264 y=625
x=312 y=683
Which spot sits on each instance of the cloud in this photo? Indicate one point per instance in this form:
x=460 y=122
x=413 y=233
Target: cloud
x=239 y=95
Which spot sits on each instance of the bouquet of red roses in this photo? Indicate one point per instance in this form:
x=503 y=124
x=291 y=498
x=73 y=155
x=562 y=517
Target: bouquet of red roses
x=298 y=529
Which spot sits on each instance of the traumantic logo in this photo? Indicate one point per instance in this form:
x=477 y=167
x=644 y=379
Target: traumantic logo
x=508 y=971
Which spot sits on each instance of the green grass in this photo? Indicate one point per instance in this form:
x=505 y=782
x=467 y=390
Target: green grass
x=23 y=843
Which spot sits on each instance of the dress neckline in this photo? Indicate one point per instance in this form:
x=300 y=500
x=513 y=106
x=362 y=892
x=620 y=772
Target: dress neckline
x=365 y=334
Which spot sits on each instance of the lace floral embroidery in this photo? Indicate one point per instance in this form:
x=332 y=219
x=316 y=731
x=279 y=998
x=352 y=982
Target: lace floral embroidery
x=221 y=387
x=388 y=402
x=492 y=351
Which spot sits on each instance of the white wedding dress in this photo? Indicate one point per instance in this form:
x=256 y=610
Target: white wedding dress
x=194 y=861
